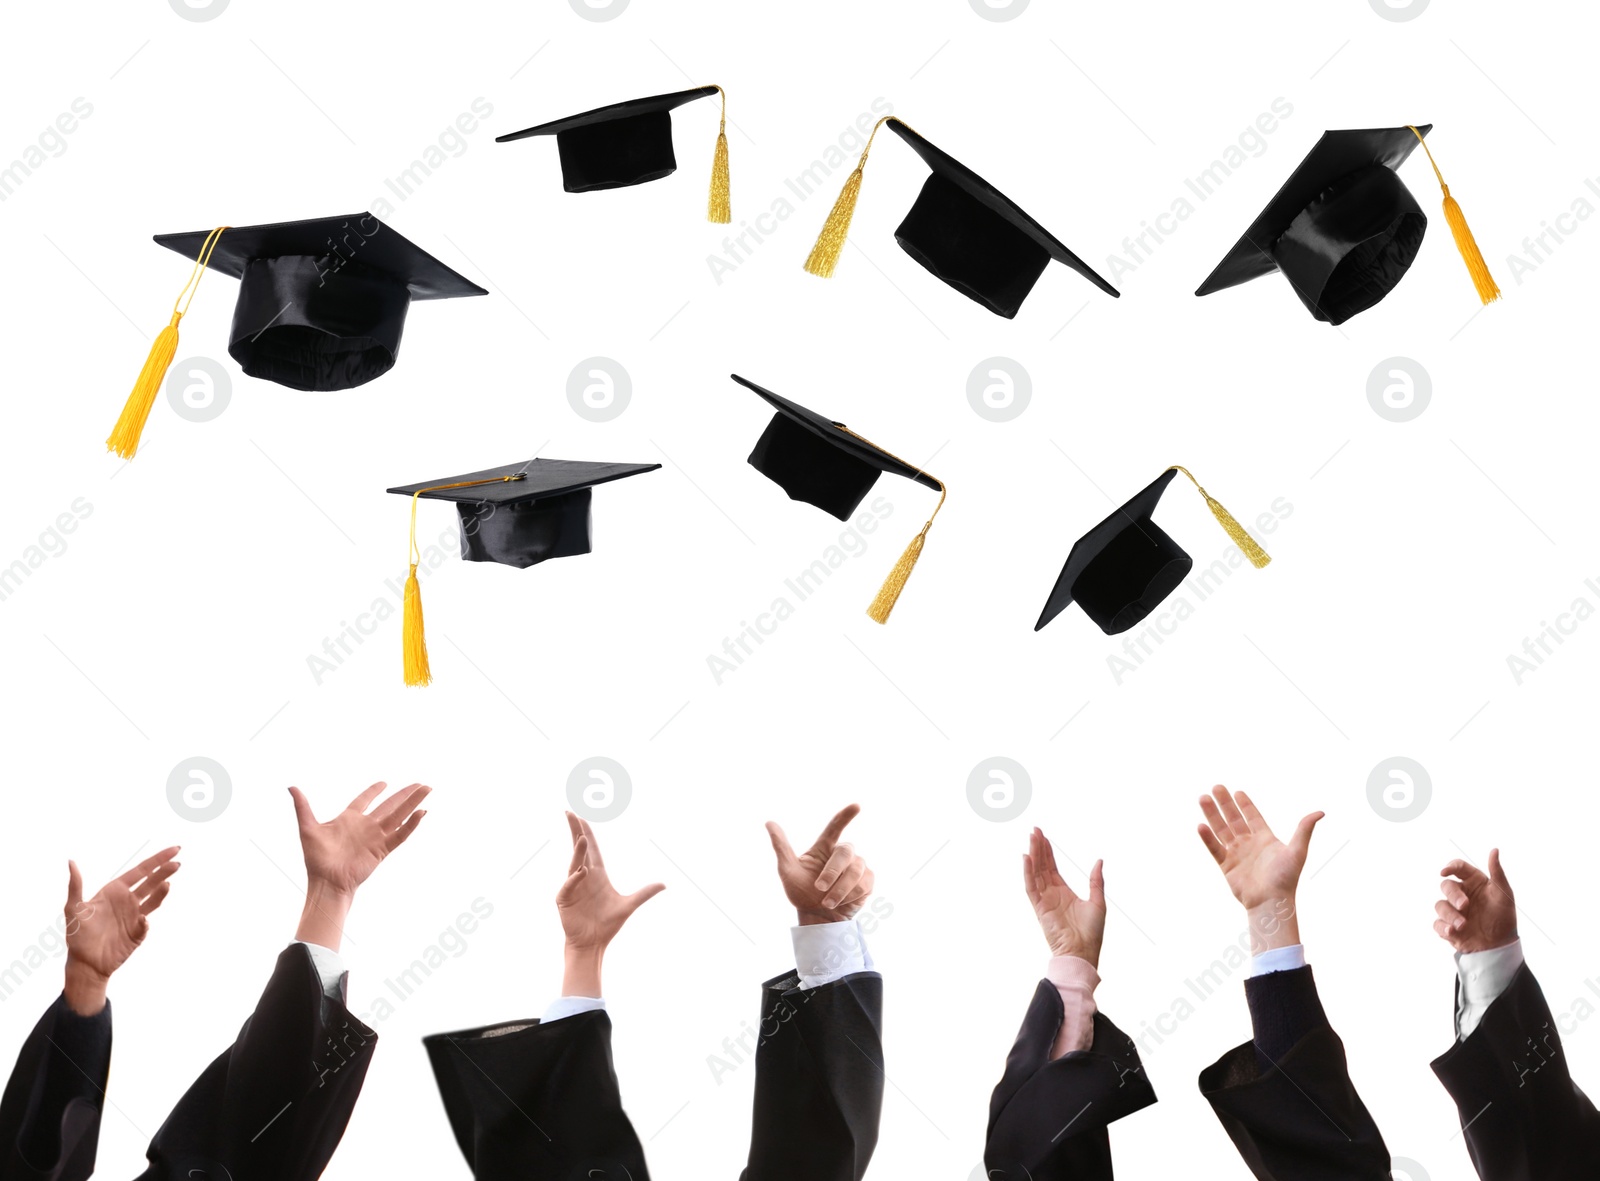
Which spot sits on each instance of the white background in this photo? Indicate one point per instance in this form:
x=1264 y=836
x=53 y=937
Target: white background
x=179 y=617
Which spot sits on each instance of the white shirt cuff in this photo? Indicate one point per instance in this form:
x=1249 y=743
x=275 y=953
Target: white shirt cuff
x=1278 y=959
x=1484 y=975
x=827 y=951
x=571 y=1006
x=330 y=969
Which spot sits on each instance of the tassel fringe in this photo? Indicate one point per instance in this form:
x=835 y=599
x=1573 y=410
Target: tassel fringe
x=718 y=206
x=124 y=437
x=416 y=644
x=824 y=255
x=1247 y=544
x=889 y=593
x=1488 y=289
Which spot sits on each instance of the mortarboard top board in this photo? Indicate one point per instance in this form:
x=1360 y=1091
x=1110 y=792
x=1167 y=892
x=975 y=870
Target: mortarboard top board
x=321 y=304
x=630 y=143
x=961 y=228
x=518 y=515
x=1344 y=229
x=1123 y=568
x=824 y=463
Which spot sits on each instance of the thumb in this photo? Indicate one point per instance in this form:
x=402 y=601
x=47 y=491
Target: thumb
x=639 y=897
x=1097 y=885
x=780 y=844
x=1301 y=841
x=1497 y=876
x=302 y=808
x=74 y=886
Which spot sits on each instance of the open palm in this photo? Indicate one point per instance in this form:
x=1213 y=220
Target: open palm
x=1259 y=868
x=592 y=910
x=1071 y=925
x=103 y=932
x=342 y=853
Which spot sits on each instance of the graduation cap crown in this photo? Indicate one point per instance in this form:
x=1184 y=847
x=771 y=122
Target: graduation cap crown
x=1344 y=229
x=961 y=228
x=630 y=143
x=518 y=515
x=824 y=463
x=1123 y=568
x=321 y=305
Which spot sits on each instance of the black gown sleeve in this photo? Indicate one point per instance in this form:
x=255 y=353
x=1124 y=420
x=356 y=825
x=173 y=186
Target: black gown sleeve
x=535 y=1102
x=272 y=1106
x=1522 y=1116
x=50 y=1111
x=1048 y=1119
x=1285 y=1097
x=819 y=1079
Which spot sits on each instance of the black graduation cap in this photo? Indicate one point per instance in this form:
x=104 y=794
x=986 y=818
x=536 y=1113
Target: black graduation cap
x=1123 y=568
x=824 y=463
x=321 y=304
x=1344 y=228
x=629 y=143
x=961 y=228
x=519 y=514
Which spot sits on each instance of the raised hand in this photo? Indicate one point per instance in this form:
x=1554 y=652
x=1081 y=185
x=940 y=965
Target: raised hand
x=592 y=911
x=827 y=883
x=341 y=853
x=1261 y=870
x=591 y=908
x=103 y=932
x=1478 y=912
x=1071 y=925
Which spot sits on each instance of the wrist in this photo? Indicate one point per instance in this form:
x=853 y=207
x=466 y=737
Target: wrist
x=323 y=917
x=816 y=918
x=1089 y=954
x=580 y=972
x=1273 y=924
x=84 y=988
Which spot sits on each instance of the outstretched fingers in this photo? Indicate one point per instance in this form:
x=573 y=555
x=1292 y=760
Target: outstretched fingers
x=835 y=827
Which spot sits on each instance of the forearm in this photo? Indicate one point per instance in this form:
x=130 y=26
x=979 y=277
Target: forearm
x=323 y=917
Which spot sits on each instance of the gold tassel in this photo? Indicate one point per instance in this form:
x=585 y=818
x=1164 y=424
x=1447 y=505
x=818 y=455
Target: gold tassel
x=1247 y=544
x=718 y=205
x=124 y=437
x=413 y=641
x=416 y=644
x=824 y=255
x=1488 y=289
x=889 y=593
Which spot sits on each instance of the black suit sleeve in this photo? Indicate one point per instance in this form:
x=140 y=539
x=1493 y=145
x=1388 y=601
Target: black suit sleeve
x=273 y=1106
x=819 y=1079
x=1048 y=1119
x=50 y=1112
x=534 y=1102
x=1522 y=1116
x=1285 y=1097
